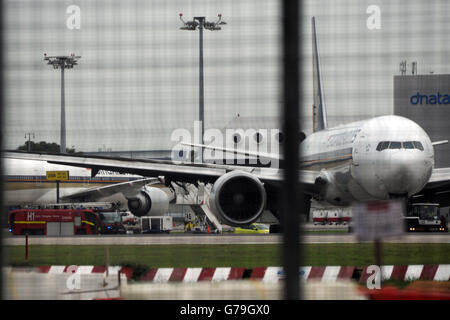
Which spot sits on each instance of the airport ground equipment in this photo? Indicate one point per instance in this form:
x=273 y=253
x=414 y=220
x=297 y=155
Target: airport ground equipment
x=54 y=222
x=63 y=219
x=157 y=224
x=425 y=217
x=204 y=209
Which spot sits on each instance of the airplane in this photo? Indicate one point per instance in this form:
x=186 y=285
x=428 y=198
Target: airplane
x=380 y=158
x=26 y=184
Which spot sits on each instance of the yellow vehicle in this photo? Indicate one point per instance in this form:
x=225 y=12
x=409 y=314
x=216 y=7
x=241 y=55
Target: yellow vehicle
x=253 y=228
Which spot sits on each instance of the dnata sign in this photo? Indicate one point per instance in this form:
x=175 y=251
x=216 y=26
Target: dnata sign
x=437 y=98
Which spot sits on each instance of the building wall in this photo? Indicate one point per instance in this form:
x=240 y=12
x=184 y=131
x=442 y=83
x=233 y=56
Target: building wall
x=425 y=100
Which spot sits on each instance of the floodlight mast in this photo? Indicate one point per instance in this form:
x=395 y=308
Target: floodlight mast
x=192 y=25
x=62 y=62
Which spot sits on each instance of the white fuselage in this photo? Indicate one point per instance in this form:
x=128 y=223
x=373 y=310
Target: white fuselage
x=358 y=162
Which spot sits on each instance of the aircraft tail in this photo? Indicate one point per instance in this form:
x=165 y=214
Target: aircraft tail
x=319 y=109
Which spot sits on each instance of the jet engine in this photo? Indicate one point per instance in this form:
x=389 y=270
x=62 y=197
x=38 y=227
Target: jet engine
x=330 y=190
x=148 y=202
x=238 y=198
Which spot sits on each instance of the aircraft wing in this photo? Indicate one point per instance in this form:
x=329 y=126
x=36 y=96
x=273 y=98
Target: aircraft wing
x=437 y=189
x=171 y=170
x=126 y=188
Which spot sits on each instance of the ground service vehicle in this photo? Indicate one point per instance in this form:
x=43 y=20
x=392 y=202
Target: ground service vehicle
x=425 y=217
x=112 y=222
x=54 y=222
x=252 y=229
x=158 y=224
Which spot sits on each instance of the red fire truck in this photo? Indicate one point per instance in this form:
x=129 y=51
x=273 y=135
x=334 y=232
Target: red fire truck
x=54 y=222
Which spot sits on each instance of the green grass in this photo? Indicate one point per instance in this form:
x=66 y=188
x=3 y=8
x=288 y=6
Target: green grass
x=248 y=256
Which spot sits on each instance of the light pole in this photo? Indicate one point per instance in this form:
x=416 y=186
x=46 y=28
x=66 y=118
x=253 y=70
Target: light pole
x=192 y=25
x=62 y=62
x=29 y=134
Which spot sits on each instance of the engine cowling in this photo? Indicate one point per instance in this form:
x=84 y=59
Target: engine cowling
x=330 y=190
x=238 y=198
x=148 y=202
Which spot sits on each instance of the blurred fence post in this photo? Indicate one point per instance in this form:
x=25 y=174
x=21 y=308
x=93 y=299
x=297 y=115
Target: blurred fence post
x=290 y=117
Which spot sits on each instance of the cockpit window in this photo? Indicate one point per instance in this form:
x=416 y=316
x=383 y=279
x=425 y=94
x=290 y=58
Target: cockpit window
x=395 y=145
x=398 y=145
x=418 y=145
x=408 y=145
x=382 y=145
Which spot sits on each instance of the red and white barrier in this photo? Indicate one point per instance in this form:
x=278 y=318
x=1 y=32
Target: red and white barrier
x=265 y=274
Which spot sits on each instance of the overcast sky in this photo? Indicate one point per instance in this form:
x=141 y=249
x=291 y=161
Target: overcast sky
x=137 y=79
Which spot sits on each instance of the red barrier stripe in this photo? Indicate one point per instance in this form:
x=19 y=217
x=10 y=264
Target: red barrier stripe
x=316 y=272
x=43 y=269
x=236 y=273
x=258 y=273
x=99 y=269
x=127 y=271
x=398 y=273
x=428 y=272
x=207 y=274
x=149 y=275
x=73 y=269
x=178 y=274
x=346 y=272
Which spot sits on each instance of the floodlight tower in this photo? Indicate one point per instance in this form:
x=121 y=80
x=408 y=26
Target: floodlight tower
x=62 y=62
x=29 y=134
x=192 y=25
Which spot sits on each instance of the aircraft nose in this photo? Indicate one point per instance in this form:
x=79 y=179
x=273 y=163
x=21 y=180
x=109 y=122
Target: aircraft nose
x=407 y=172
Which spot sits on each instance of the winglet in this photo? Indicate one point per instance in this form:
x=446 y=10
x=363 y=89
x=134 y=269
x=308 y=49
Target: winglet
x=319 y=109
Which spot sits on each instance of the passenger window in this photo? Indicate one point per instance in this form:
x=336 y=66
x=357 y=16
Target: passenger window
x=418 y=145
x=408 y=145
x=395 y=145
